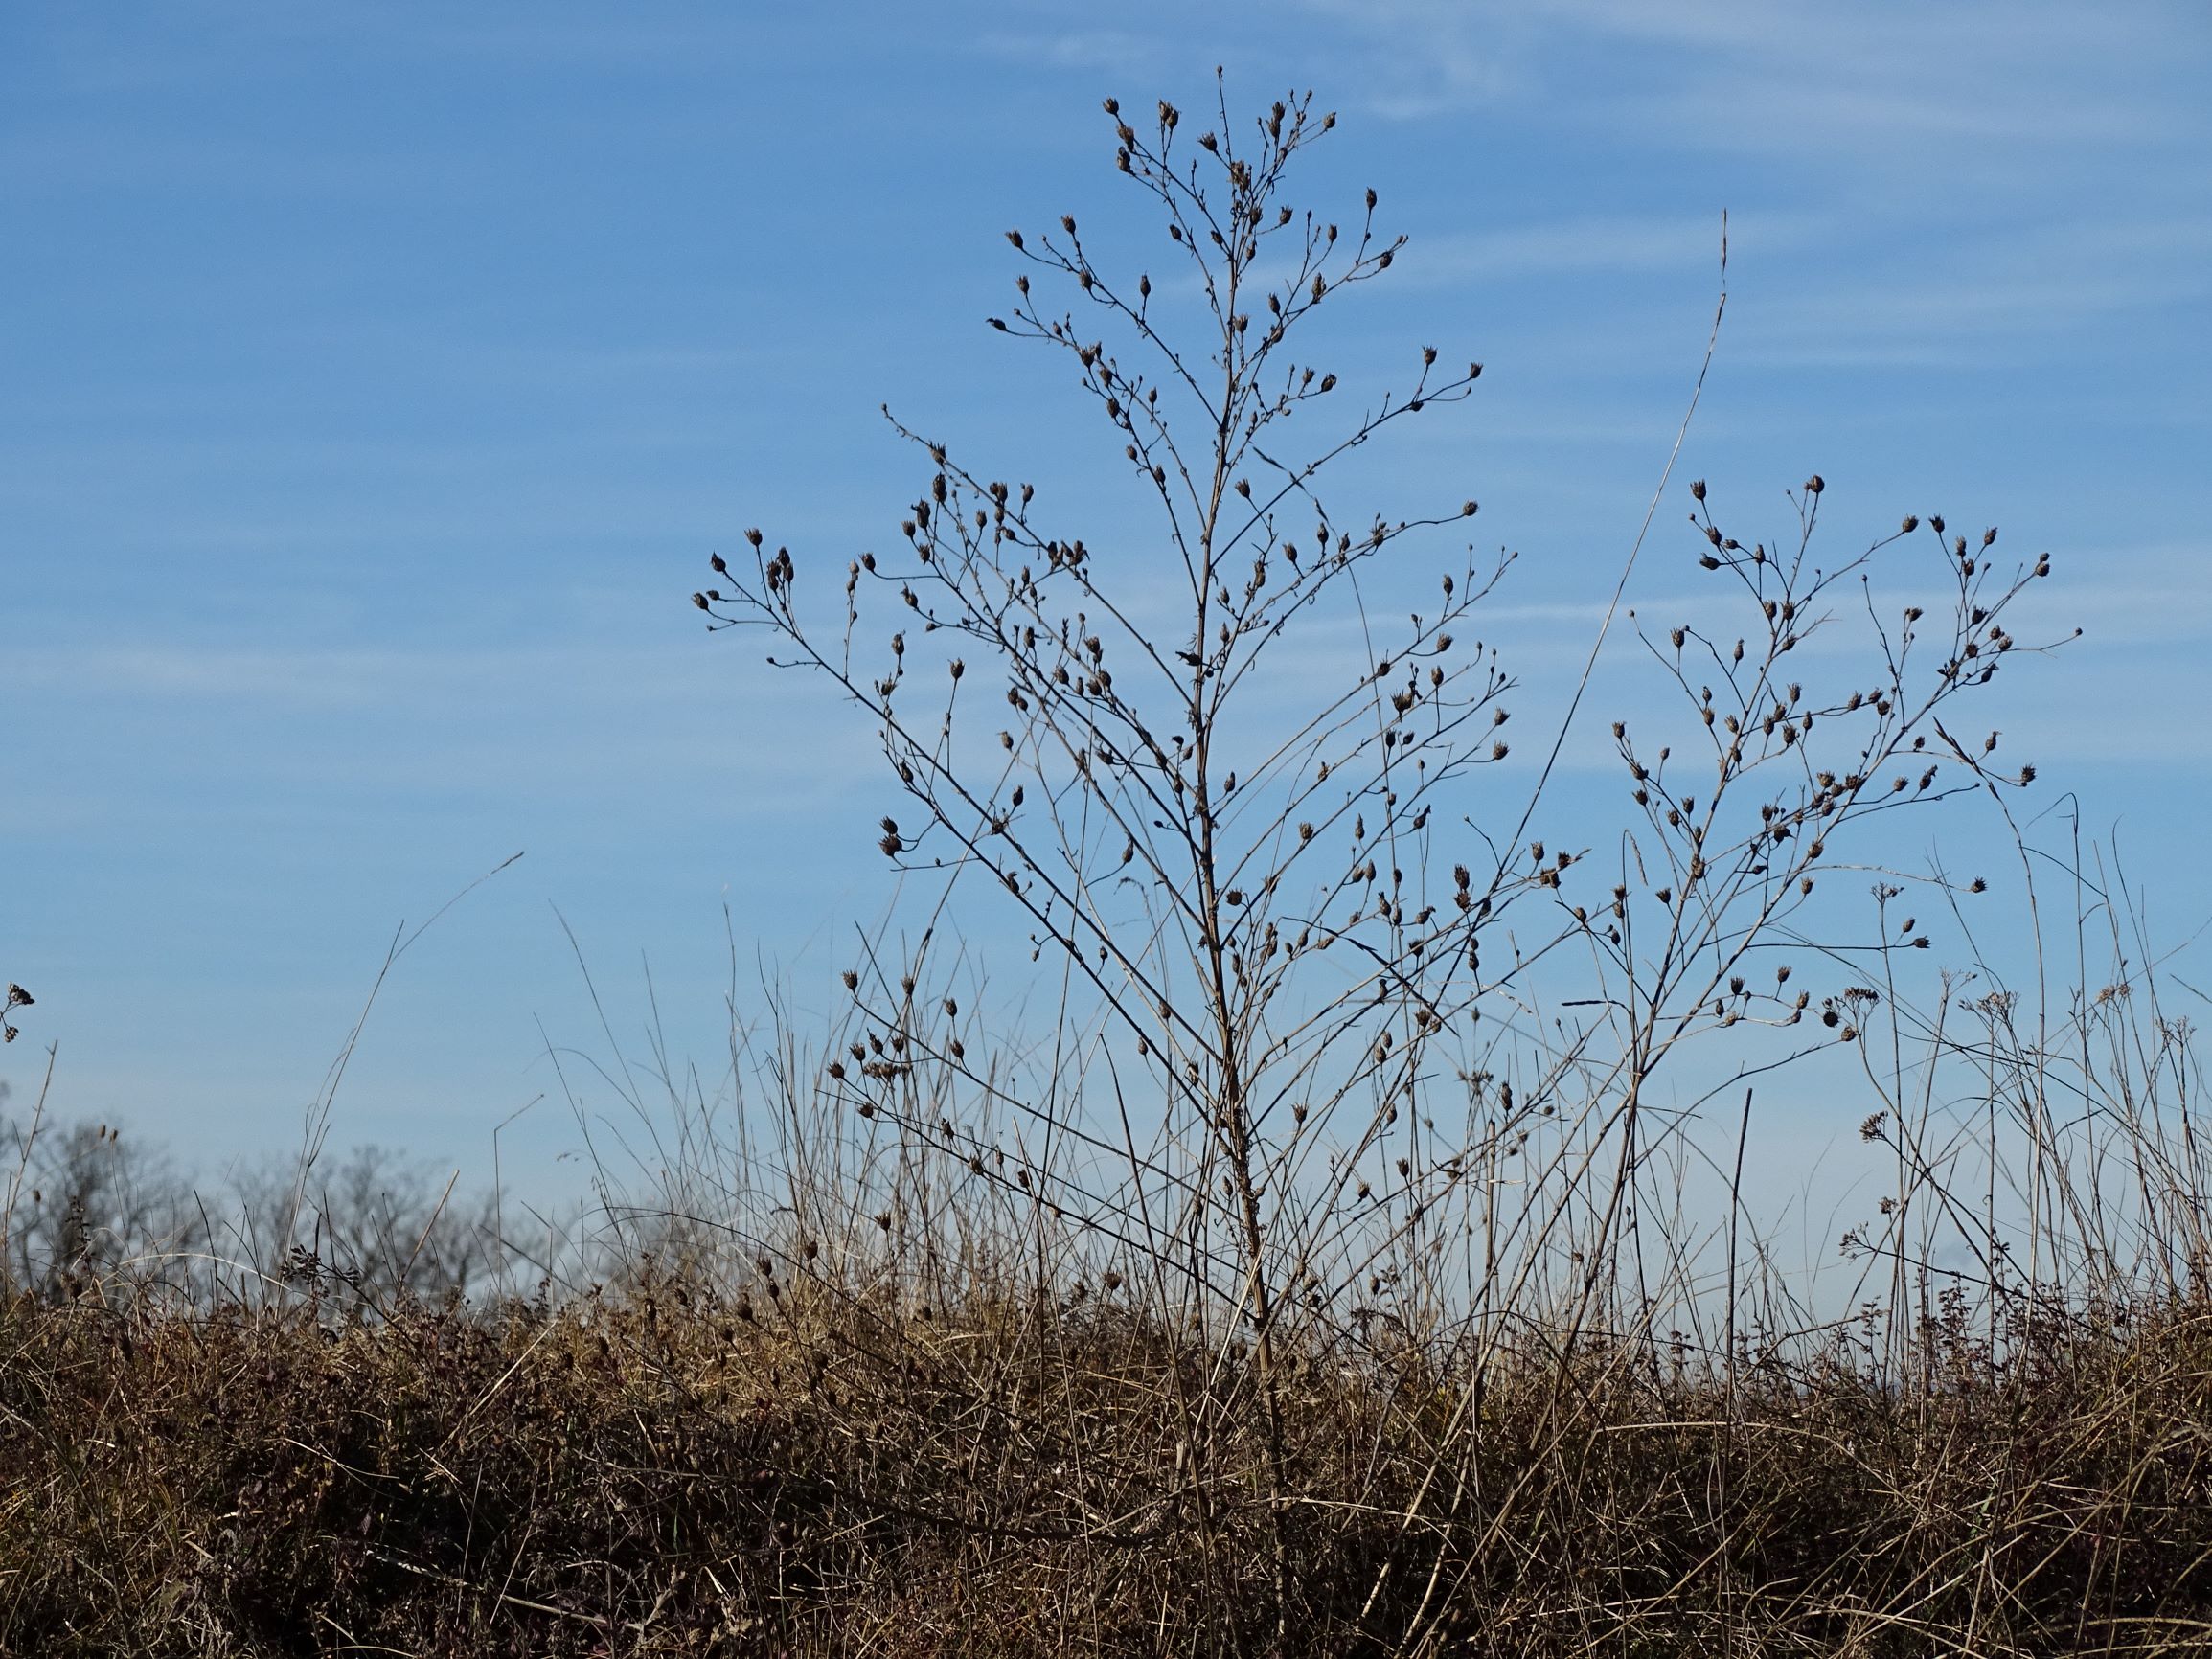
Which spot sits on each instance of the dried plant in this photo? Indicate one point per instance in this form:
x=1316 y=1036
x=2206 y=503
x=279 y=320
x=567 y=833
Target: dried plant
x=1276 y=1000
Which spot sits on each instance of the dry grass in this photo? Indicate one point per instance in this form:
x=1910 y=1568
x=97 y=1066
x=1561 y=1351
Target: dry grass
x=684 y=1470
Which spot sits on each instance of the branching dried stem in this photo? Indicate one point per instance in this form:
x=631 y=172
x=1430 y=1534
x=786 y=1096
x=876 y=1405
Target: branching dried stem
x=1246 y=907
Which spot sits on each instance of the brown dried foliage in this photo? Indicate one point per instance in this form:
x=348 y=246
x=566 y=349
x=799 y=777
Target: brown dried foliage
x=669 y=1475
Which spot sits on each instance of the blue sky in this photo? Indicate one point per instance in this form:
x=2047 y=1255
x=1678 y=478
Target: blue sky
x=377 y=380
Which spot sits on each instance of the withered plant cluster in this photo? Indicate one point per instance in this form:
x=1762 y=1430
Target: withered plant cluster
x=1356 y=1255
x=822 y=1465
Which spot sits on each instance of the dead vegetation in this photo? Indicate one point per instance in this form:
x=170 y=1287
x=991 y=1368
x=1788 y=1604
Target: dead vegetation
x=818 y=1471
x=1357 y=1253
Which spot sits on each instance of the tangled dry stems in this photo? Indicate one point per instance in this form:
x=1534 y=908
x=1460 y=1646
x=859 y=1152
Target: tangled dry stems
x=681 y=1471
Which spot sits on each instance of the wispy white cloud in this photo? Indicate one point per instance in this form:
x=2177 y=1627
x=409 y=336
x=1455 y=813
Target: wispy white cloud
x=1958 y=298
x=1589 y=243
x=386 y=677
x=1783 y=79
x=534 y=721
x=1081 y=49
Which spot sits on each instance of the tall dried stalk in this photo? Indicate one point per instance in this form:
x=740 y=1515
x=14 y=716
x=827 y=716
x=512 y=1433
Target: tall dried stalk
x=1271 y=1086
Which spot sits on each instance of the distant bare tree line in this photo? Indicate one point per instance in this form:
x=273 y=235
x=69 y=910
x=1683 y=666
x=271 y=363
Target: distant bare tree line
x=94 y=1212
